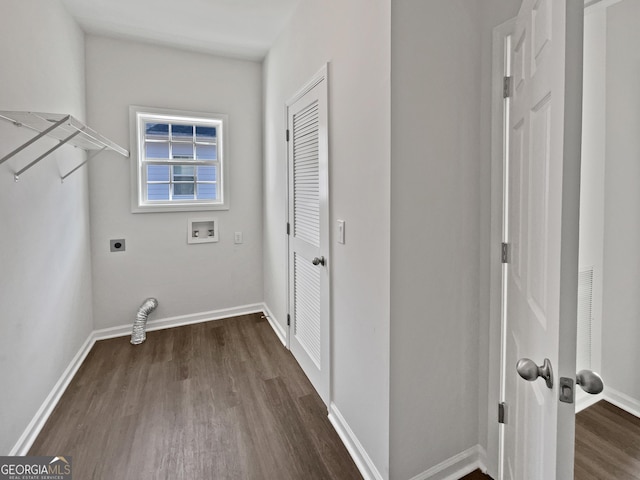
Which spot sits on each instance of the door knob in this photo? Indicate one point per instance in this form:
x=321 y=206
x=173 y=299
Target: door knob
x=528 y=370
x=318 y=261
x=590 y=381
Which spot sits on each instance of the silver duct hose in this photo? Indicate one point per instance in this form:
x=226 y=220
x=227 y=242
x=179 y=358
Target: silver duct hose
x=139 y=334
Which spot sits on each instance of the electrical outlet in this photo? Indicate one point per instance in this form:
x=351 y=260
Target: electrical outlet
x=237 y=237
x=117 y=245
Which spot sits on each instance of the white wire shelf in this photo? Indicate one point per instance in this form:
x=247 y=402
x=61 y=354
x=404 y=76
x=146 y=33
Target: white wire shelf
x=62 y=127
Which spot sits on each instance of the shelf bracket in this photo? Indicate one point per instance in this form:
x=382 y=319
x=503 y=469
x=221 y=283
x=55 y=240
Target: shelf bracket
x=89 y=157
x=65 y=129
x=34 y=139
x=16 y=176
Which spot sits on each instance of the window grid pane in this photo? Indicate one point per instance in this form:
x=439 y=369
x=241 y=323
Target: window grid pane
x=181 y=132
x=156 y=131
x=182 y=182
x=168 y=148
x=205 y=134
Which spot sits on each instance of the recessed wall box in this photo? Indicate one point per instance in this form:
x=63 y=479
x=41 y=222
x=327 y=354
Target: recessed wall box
x=202 y=230
x=117 y=245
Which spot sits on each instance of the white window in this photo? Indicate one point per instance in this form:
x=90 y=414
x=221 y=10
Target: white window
x=179 y=160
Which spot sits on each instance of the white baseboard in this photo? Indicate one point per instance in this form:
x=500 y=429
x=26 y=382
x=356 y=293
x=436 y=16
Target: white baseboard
x=482 y=459
x=584 y=400
x=30 y=434
x=452 y=469
x=623 y=401
x=457 y=466
x=354 y=447
x=36 y=424
x=277 y=326
x=179 y=321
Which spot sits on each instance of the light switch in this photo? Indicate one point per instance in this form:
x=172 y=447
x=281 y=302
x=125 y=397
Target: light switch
x=340 y=231
x=237 y=237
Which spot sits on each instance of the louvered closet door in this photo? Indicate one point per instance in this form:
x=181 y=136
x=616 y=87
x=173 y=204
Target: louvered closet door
x=308 y=239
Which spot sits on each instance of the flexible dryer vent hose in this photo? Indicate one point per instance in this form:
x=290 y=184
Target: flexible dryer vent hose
x=139 y=333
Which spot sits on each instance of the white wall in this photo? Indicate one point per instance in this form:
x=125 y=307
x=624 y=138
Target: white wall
x=186 y=279
x=440 y=223
x=435 y=225
x=592 y=193
x=621 y=302
x=45 y=281
x=354 y=37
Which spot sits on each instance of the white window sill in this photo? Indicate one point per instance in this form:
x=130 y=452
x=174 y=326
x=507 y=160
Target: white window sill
x=177 y=208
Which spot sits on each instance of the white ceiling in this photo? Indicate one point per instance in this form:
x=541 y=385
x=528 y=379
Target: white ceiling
x=236 y=28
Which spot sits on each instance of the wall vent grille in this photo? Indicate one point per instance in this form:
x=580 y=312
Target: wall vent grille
x=585 y=319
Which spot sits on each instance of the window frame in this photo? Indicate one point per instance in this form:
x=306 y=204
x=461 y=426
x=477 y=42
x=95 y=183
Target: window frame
x=138 y=115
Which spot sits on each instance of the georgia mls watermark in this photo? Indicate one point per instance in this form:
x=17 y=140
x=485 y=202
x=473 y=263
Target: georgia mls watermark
x=35 y=468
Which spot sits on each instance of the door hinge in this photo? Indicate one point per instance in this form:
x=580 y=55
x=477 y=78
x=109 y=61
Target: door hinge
x=288 y=228
x=287 y=135
x=505 y=253
x=507 y=83
x=288 y=319
x=502 y=412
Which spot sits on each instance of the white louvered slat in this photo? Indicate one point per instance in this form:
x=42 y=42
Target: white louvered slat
x=308 y=114
x=307 y=307
x=306 y=128
x=585 y=319
x=306 y=214
x=302 y=167
x=305 y=140
x=308 y=335
x=307 y=152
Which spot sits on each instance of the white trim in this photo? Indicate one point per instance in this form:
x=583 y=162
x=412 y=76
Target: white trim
x=584 y=400
x=179 y=321
x=482 y=459
x=353 y=445
x=276 y=325
x=591 y=6
x=457 y=466
x=320 y=75
x=623 y=401
x=137 y=177
x=24 y=443
x=492 y=454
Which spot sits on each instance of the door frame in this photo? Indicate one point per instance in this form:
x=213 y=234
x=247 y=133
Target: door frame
x=321 y=76
x=498 y=159
x=499 y=155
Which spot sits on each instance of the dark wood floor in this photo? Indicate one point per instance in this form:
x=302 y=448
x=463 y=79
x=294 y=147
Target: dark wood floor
x=217 y=400
x=476 y=475
x=607 y=444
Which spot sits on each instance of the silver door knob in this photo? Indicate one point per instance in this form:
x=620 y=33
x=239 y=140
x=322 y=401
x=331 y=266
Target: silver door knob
x=528 y=370
x=318 y=261
x=590 y=381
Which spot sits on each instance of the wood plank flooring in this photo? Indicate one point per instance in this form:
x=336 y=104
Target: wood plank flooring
x=607 y=444
x=217 y=400
x=476 y=475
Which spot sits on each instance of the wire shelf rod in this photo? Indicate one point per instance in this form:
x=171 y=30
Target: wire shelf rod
x=34 y=139
x=89 y=157
x=16 y=176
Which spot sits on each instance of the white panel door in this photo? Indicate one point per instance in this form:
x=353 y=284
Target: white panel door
x=309 y=232
x=543 y=179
